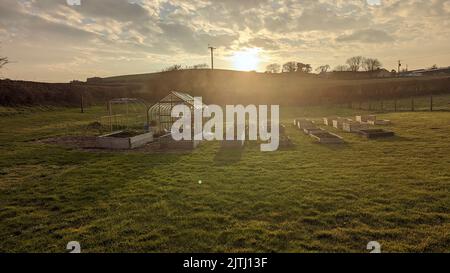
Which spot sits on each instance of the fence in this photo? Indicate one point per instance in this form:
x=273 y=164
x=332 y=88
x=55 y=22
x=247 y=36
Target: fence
x=414 y=103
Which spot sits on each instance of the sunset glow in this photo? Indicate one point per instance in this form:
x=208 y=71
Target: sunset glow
x=246 y=60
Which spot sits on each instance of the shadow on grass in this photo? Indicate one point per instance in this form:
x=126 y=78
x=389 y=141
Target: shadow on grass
x=228 y=155
x=334 y=147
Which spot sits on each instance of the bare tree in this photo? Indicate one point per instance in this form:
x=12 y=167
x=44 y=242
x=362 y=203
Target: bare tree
x=323 y=68
x=3 y=61
x=290 y=67
x=341 y=68
x=371 y=64
x=273 y=68
x=355 y=63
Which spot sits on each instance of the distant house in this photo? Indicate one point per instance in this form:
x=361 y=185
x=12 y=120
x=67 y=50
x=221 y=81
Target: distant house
x=442 y=71
x=351 y=75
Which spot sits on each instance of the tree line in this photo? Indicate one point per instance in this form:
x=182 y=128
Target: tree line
x=354 y=64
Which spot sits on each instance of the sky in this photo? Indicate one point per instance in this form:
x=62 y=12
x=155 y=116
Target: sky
x=59 y=41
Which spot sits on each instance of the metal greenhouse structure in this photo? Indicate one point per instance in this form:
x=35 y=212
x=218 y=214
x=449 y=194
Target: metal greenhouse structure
x=160 y=112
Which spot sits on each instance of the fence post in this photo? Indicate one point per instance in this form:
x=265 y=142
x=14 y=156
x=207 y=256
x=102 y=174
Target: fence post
x=381 y=105
x=395 y=105
x=412 y=104
x=82 y=103
x=431 y=103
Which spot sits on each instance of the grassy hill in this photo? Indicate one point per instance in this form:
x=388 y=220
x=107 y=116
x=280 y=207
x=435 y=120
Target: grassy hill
x=222 y=87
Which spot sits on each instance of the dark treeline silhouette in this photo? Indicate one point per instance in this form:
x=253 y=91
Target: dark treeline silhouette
x=353 y=64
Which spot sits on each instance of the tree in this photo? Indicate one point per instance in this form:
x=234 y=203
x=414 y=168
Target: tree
x=323 y=68
x=290 y=67
x=341 y=68
x=371 y=64
x=273 y=68
x=199 y=66
x=434 y=66
x=304 y=68
x=174 y=67
x=355 y=63
x=3 y=61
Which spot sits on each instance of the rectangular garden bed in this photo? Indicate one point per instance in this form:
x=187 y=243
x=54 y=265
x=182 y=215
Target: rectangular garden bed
x=122 y=140
x=352 y=127
x=327 y=138
x=376 y=133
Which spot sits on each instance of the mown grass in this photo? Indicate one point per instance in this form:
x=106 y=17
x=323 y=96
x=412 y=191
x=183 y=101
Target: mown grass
x=310 y=198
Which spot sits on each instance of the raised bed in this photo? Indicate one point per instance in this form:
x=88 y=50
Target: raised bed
x=353 y=127
x=313 y=130
x=305 y=124
x=337 y=123
x=122 y=140
x=328 y=121
x=379 y=122
x=367 y=118
x=376 y=133
x=327 y=138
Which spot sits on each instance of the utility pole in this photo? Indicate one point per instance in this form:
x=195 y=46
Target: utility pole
x=212 y=56
x=399 y=65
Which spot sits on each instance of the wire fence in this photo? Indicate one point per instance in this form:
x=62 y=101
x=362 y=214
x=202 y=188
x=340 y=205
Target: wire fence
x=413 y=103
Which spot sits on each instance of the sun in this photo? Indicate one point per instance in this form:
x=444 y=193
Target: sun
x=246 y=60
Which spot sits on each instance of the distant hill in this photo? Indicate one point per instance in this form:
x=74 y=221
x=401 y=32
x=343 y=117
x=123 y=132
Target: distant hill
x=222 y=87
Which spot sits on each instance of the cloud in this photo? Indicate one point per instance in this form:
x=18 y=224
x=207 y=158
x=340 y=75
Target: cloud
x=366 y=36
x=149 y=35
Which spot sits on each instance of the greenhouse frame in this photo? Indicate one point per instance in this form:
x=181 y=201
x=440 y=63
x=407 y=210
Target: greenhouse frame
x=160 y=112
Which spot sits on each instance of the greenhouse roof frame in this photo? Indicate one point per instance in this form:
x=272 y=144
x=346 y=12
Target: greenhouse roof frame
x=161 y=111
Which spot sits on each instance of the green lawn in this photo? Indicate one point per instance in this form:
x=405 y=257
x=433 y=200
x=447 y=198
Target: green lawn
x=311 y=198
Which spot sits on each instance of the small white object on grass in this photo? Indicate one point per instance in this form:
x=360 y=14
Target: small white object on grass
x=200 y=182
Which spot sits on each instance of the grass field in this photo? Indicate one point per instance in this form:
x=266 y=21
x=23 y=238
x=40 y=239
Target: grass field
x=311 y=198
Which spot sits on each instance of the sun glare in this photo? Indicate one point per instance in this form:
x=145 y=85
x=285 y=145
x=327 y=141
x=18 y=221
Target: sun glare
x=246 y=60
